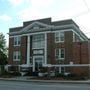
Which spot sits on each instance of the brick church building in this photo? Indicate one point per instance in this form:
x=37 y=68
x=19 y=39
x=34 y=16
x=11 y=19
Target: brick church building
x=46 y=43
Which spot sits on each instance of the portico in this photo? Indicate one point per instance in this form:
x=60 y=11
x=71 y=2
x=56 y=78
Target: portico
x=36 y=50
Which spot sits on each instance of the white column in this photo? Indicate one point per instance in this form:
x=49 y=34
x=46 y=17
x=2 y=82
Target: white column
x=28 y=50
x=59 y=69
x=45 y=49
x=33 y=64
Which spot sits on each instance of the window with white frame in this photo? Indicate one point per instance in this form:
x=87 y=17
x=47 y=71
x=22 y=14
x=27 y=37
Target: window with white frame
x=38 y=41
x=59 y=37
x=17 y=40
x=16 y=56
x=38 y=52
x=59 y=53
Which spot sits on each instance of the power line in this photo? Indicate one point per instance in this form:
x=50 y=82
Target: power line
x=87 y=33
x=84 y=12
x=80 y=14
x=86 y=5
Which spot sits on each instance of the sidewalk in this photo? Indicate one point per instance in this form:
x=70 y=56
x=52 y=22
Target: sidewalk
x=29 y=79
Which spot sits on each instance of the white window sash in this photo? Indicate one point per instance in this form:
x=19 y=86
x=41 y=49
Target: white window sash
x=58 y=56
x=58 y=36
x=16 y=56
x=17 y=41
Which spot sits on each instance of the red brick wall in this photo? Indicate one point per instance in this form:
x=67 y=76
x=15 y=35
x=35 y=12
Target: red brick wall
x=80 y=56
x=80 y=53
x=68 y=46
x=75 y=52
x=12 y=48
x=23 y=49
x=50 y=48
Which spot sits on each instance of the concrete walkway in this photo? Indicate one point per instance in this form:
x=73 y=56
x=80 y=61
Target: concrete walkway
x=29 y=79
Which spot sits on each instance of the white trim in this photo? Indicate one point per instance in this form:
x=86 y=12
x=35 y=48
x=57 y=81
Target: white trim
x=31 y=34
x=49 y=32
x=59 y=56
x=17 y=39
x=33 y=68
x=17 y=45
x=25 y=65
x=59 y=37
x=32 y=25
x=43 y=32
x=78 y=35
x=59 y=69
x=50 y=27
x=68 y=65
x=73 y=37
x=27 y=28
x=45 y=49
x=28 y=50
x=74 y=27
x=16 y=60
x=16 y=54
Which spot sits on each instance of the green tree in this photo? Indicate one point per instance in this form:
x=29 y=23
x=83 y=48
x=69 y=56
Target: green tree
x=3 y=58
x=2 y=43
x=3 y=52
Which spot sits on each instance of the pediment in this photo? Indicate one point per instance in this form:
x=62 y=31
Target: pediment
x=34 y=26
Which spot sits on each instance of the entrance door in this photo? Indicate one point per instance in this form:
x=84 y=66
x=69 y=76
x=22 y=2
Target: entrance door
x=37 y=63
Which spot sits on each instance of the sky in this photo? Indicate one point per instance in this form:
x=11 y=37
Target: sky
x=14 y=12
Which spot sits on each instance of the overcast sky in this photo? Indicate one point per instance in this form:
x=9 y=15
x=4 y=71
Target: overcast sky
x=14 y=12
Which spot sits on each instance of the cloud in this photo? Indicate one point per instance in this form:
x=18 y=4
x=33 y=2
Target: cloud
x=5 y=17
x=84 y=22
x=42 y=3
x=27 y=14
x=58 y=10
x=36 y=10
x=15 y=2
x=51 y=8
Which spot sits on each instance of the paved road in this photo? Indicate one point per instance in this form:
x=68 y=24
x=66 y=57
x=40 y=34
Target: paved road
x=11 y=85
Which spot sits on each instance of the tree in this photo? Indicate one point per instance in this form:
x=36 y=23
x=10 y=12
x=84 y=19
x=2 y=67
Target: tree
x=2 y=43
x=3 y=58
x=3 y=52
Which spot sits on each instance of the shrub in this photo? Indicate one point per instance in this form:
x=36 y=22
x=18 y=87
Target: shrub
x=73 y=76
x=59 y=75
x=15 y=74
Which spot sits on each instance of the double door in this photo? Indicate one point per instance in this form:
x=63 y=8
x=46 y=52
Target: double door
x=37 y=63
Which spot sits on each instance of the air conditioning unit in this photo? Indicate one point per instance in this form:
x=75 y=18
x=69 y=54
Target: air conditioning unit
x=71 y=63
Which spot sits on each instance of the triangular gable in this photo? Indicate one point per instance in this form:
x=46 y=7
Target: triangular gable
x=35 y=25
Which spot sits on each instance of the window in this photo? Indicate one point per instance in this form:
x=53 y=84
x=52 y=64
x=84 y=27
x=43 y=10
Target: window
x=38 y=62
x=59 y=36
x=38 y=41
x=16 y=55
x=37 y=52
x=39 y=37
x=17 y=40
x=59 y=53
